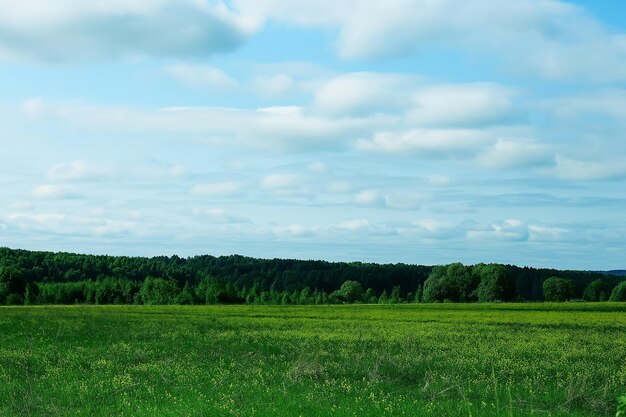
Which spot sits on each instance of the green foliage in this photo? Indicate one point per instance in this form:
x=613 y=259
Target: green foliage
x=419 y=294
x=395 y=298
x=619 y=292
x=31 y=293
x=157 y=291
x=496 y=283
x=621 y=406
x=64 y=278
x=595 y=291
x=453 y=282
x=12 y=284
x=187 y=295
x=350 y=291
x=558 y=289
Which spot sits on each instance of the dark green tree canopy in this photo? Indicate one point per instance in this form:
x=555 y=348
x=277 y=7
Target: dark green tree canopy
x=496 y=283
x=595 y=291
x=558 y=289
x=619 y=292
x=31 y=277
x=453 y=282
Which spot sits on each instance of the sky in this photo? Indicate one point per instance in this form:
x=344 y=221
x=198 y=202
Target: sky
x=415 y=131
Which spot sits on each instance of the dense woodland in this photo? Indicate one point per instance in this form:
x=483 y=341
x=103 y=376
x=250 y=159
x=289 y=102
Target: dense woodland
x=28 y=277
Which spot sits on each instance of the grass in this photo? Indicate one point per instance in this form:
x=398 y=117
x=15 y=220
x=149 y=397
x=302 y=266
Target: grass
x=402 y=360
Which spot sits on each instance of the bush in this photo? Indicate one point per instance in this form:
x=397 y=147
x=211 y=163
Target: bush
x=595 y=291
x=558 y=289
x=454 y=282
x=496 y=283
x=14 y=299
x=619 y=292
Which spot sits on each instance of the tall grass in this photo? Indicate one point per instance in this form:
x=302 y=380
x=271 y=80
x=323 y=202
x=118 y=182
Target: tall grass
x=404 y=360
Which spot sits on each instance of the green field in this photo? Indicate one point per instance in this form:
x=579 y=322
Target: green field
x=384 y=360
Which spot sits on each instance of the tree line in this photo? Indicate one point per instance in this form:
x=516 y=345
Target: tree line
x=30 y=277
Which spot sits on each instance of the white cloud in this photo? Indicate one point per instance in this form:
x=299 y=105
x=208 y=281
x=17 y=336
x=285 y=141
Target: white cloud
x=202 y=76
x=71 y=224
x=435 y=229
x=604 y=103
x=578 y=170
x=279 y=181
x=220 y=215
x=405 y=200
x=219 y=189
x=287 y=128
x=114 y=227
x=461 y=105
x=62 y=30
x=438 y=180
x=75 y=170
x=511 y=229
x=429 y=142
x=340 y=186
x=274 y=85
x=546 y=233
x=42 y=218
x=295 y=230
x=354 y=225
x=541 y=37
x=361 y=94
x=52 y=191
x=32 y=106
x=368 y=198
x=516 y=154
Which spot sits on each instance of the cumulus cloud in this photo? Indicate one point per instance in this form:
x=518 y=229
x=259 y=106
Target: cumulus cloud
x=461 y=105
x=545 y=38
x=516 y=154
x=354 y=225
x=361 y=94
x=538 y=232
x=64 y=30
x=430 y=142
x=279 y=181
x=368 y=198
x=511 y=229
x=201 y=76
x=287 y=128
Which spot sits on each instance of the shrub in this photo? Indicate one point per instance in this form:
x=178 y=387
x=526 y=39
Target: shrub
x=619 y=292
x=558 y=289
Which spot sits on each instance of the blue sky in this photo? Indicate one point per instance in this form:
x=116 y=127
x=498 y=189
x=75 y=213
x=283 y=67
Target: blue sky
x=400 y=131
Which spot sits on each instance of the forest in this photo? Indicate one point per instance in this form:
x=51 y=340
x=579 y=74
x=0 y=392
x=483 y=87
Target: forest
x=31 y=277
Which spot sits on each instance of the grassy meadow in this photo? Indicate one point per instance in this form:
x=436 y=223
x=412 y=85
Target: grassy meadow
x=565 y=359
